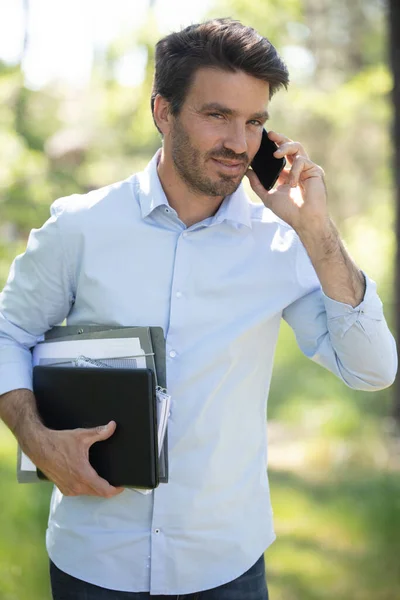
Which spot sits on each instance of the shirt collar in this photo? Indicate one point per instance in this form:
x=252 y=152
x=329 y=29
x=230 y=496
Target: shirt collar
x=151 y=193
x=234 y=208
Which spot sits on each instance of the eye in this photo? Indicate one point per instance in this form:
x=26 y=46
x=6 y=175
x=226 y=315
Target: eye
x=215 y=115
x=258 y=123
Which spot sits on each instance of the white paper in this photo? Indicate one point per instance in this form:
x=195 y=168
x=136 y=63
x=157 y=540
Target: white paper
x=163 y=406
x=26 y=463
x=67 y=351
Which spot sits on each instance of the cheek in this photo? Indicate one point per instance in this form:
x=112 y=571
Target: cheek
x=207 y=140
x=206 y=135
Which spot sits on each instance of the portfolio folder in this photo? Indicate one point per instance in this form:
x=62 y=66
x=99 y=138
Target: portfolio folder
x=88 y=397
x=153 y=343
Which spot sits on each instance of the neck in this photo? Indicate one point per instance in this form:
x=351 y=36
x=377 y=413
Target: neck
x=190 y=207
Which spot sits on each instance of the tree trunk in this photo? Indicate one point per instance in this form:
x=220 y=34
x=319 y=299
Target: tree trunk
x=394 y=26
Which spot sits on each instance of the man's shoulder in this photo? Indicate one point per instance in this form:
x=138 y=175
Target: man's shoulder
x=263 y=216
x=99 y=200
x=270 y=231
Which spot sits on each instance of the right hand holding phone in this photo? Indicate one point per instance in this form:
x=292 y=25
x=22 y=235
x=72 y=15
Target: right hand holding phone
x=300 y=198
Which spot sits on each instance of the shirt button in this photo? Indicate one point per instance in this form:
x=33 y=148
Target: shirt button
x=172 y=354
x=156 y=531
x=178 y=294
x=184 y=234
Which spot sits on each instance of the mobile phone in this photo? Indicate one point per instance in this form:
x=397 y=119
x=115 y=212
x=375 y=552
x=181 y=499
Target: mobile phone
x=265 y=165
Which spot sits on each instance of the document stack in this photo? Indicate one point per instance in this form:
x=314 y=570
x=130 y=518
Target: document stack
x=85 y=376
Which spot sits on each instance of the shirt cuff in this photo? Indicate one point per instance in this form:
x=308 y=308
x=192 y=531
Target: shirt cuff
x=16 y=374
x=370 y=306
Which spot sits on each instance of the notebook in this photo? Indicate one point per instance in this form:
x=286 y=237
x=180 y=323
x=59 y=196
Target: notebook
x=87 y=397
x=152 y=348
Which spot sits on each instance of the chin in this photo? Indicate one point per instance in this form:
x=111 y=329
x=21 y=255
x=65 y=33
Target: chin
x=229 y=188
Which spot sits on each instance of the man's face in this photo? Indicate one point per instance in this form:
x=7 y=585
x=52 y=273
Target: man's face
x=221 y=120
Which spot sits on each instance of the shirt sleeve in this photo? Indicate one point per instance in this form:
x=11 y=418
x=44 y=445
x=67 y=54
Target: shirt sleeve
x=354 y=343
x=38 y=295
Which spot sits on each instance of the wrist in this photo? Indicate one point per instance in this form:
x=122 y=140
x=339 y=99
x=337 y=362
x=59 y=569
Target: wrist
x=319 y=226
x=19 y=413
x=320 y=238
x=33 y=438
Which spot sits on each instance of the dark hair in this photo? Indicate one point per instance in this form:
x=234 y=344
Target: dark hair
x=220 y=43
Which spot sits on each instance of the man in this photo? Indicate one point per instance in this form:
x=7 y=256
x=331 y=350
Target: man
x=179 y=245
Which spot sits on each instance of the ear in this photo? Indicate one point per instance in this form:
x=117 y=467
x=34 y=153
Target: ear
x=162 y=114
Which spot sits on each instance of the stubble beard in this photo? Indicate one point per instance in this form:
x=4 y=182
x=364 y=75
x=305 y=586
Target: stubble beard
x=189 y=163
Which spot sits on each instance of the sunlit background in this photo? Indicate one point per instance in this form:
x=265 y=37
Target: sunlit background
x=66 y=35
x=75 y=82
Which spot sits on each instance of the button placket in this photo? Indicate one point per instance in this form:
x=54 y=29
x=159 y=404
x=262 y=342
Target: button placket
x=179 y=274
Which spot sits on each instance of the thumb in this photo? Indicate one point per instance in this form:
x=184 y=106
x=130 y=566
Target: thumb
x=257 y=186
x=102 y=432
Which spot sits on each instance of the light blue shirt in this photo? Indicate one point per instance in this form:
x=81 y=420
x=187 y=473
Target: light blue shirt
x=121 y=256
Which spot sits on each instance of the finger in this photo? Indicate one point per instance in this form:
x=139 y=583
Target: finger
x=94 y=485
x=83 y=479
x=297 y=167
x=98 y=434
x=303 y=169
x=283 y=178
x=282 y=140
x=256 y=184
x=290 y=150
x=278 y=138
x=101 y=486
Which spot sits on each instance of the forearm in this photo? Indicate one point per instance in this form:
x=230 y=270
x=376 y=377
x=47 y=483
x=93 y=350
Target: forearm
x=339 y=276
x=19 y=413
x=61 y=455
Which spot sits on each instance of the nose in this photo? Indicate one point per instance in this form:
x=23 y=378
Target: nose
x=236 y=140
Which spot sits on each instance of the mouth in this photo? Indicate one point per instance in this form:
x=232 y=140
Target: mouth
x=230 y=167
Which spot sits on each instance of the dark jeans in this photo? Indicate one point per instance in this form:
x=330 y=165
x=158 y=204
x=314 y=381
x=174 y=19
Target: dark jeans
x=249 y=586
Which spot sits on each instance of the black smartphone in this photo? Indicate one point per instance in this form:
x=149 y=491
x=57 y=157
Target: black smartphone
x=265 y=165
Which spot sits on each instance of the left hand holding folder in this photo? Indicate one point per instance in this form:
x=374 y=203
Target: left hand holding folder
x=64 y=459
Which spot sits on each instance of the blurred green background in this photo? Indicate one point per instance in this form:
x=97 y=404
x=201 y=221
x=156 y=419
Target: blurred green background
x=334 y=453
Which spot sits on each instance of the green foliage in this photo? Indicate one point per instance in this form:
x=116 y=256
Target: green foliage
x=268 y=18
x=23 y=518
x=336 y=536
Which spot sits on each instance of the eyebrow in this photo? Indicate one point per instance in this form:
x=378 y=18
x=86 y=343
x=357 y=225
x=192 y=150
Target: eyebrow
x=229 y=111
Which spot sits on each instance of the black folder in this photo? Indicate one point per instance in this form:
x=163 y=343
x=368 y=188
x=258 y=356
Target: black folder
x=68 y=398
